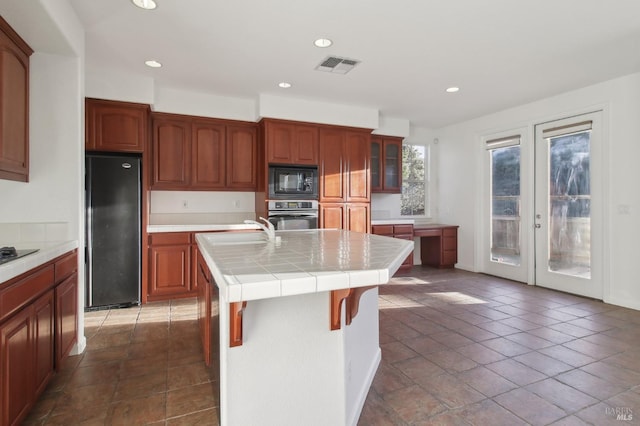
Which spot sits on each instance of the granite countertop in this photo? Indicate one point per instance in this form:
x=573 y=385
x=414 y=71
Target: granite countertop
x=47 y=251
x=248 y=267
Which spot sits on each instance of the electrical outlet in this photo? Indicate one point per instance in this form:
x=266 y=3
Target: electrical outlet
x=185 y=204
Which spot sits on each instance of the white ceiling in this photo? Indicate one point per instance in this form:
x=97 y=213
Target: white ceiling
x=501 y=53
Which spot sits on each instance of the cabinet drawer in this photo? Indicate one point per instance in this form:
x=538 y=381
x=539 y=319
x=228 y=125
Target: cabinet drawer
x=24 y=291
x=403 y=229
x=450 y=232
x=170 y=238
x=408 y=237
x=449 y=243
x=382 y=229
x=65 y=267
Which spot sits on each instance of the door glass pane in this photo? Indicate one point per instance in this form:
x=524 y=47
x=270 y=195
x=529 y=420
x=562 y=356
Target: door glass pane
x=391 y=157
x=375 y=164
x=505 y=205
x=570 y=205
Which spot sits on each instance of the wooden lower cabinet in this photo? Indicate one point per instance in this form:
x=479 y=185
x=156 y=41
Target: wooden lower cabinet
x=349 y=216
x=171 y=267
x=402 y=231
x=66 y=304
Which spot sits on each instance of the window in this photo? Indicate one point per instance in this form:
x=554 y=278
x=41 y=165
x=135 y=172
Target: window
x=414 y=180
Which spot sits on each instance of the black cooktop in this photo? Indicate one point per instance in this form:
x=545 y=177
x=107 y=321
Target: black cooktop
x=7 y=254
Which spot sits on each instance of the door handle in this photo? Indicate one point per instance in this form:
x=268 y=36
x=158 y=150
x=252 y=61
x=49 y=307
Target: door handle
x=537 y=226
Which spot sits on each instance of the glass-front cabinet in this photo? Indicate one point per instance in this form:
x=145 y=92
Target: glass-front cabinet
x=386 y=164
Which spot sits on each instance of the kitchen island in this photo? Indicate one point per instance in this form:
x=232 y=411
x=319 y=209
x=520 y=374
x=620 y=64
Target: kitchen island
x=296 y=338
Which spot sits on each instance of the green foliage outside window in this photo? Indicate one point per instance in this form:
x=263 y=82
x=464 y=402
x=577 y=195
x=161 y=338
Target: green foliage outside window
x=414 y=169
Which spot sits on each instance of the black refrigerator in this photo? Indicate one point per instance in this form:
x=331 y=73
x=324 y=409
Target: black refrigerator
x=113 y=222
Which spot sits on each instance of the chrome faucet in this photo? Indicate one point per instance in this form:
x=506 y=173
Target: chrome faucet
x=269 y=229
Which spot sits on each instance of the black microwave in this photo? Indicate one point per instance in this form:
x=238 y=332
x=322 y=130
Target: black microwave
x=293 y=182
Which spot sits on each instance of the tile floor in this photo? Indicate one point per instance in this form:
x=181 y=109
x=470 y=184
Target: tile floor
x=457 y=349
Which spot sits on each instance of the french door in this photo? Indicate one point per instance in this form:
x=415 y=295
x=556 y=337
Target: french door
x=569 y=206
x=544 y=205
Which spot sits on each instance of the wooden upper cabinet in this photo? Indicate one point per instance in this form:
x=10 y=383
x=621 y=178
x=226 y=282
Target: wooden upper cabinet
x=358 y=146
x=291 y=143
x=208 y=166
x=14 y=105
x=386 y=164
x=332 y=174
x=242 y=153
x=171 y=151
x=114 y=126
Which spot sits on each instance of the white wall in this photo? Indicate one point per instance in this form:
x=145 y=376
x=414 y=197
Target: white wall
x=460 y=175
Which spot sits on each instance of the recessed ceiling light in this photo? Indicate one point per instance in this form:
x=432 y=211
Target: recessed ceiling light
x=145 y=4
x=452 y=89
x=323 y=42
x=153 y=64
x=284 y=85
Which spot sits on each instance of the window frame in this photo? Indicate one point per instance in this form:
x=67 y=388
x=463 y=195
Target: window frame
x=426 y=182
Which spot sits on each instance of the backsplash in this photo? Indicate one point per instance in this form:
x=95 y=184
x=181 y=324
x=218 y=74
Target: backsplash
x=200 y=218
x=16 y=233
x=190 y=202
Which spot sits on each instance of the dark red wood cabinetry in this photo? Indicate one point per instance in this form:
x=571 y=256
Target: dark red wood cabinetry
x=38 y=328
x=402 y=231
x=195 y=153
x=114 y=126
x=291 y=143
x=386 y=164
x=171 y=265
x=345 y=179
x=14 y=105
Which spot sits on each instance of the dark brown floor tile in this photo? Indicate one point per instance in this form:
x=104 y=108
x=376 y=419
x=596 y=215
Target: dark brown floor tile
x=190 y=399
x=476 y=334
x=629 y=360
x=492 y=314
x=531 y=341
x=488 y=412
x=141 y=386
x=480 y=354
x=590 y=384
x=571 y=330
x=426 y=327
x=85 y=398
x=451 y=339
x=396 y=351
x=418 y=368
x=103 y=341
x=452 y=391
x=425 y=345
x=137 y=411
x=150 y=331
x=414 y=405
x=471 y=318
x=188 y=356
x=543 y=363
x=377 y=413
x=613 y=374
x=591 y=349
x=188 y=375
x=148 y=348
x=566 y=355
x=558 y=315
x=530 y=407
x=451 y=361
x=589 y=324
x=143 y=366
x=519 y=323
x=565 y=397
x=486 y=381
x=570 y=421
x=90 y=416
x=551 y=335
x=498 y=328
x=506 y=347
x=207 y=417
x=92 y=357
x=389 y=379
x=447 y=418
x=106 y=372
x=516 y=372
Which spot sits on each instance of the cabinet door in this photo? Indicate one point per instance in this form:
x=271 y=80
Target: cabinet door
x=332 y=184
x=305 y=146
x=14 y=111
x=376 y=164
x=16 y=367
x=170 y=270
x=392 y=166
x=358 y=217
x=193 y=286
x=115 y=126
x=280 y=140
x=208 y=155
x=358 y=152
x=171 y=146
x=66 y=317
x=332 y=216
x=242 y=153
x=43 y=335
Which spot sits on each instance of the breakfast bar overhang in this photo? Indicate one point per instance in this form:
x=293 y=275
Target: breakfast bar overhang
x=294 y=326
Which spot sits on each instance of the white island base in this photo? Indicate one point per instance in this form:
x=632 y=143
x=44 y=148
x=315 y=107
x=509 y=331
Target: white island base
x=298 y=322
x=292 y=369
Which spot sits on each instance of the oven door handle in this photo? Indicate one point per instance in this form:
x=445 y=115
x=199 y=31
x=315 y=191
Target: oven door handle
x=285 y=215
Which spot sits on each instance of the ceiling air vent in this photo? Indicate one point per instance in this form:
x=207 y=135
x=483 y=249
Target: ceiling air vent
x=337 y=65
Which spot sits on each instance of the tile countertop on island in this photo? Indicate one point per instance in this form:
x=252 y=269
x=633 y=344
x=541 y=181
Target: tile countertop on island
x=151 y=229
x=46 y=251
x=306 y=261
x=393 y=222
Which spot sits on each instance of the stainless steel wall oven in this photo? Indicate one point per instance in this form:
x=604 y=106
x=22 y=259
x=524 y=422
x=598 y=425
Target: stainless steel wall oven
x=293 y=214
